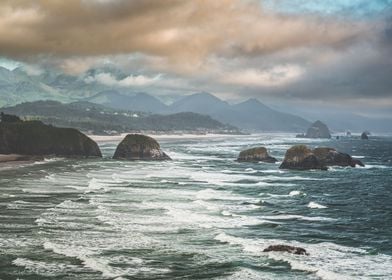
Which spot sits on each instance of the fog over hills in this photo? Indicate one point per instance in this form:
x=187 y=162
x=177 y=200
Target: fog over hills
x=134 y=102
x=18 y=85
x=98 y=119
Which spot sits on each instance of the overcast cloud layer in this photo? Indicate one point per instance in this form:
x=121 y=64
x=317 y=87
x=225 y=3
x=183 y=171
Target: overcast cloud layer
x=332 y=52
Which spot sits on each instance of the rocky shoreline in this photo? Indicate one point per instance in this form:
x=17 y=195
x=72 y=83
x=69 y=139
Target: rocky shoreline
x=23 y=141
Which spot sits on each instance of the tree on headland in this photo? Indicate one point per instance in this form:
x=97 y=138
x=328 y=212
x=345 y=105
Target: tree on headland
x=9 y=118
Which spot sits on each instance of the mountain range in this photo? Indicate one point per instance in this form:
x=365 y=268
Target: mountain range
x=18 y=86
x=250 y=115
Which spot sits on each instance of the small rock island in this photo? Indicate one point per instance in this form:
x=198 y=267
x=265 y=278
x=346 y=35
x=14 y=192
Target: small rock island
x=286 y=248
x=317 y=130
x=255 y=155
x=139 y=147
x=365 y=135
x=35 y=138
x=300 y=157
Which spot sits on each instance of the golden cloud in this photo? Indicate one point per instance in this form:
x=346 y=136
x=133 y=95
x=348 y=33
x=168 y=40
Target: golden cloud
x=184 y=33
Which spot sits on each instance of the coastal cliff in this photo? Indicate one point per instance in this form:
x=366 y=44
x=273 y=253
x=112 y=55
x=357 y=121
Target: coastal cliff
x=38 y=139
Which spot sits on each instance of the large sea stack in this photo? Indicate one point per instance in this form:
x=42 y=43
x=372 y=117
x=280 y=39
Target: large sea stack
x=331 y=157
x=364 y=135
x=318 y=130
x=38 y=139
x=139 y=147
x=256 y=155
x=301 y=157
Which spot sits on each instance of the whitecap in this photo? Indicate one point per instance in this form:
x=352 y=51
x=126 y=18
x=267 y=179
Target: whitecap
x=326 y=260
x=374 y=166
x=211 y=194
x=294 y=193
x=316 y=205
x=44 y=268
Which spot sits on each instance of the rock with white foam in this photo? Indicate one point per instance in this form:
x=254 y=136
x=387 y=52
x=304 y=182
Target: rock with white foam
x=286 y=248
x=255 y=155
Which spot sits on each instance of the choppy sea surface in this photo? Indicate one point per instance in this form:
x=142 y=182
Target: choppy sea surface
x=200 y=216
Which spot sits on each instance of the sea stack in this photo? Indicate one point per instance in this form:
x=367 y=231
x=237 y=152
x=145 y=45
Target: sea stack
x=139 y=147
x=364 y=135
x=255 y=155
x=35 y=138
x=301 y=157
x=331 y=157
x=318 y=130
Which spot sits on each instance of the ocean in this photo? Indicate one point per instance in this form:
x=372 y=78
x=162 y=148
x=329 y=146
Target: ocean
x=200 y=216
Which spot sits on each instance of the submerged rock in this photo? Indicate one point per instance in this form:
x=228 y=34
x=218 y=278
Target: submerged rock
x=38 y=139
x=318 y=130
x=331 y=157
x=286 y=248
x=255 y=155
x=139 y=147
x=364 y=135
x=301 y=157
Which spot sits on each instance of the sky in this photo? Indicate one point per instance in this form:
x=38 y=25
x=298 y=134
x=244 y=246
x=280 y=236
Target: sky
x=303 y=53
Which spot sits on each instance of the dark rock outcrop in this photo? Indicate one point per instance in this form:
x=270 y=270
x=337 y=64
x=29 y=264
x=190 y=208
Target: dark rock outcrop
x=331 y=157
x=9 y=118
x=301 y=157
x=286 y=248
x=139 y=147
x=38 y=139
x=318 y=130
x=256 y=155
x=364 y=136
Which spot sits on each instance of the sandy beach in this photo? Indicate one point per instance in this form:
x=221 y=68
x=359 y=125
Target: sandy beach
x=112 y=138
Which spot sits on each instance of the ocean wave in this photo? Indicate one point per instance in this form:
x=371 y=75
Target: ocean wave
x=374 y=166
x=316 y=205
x=211 y=194
x=106 y=265
x=296 y=217
x=45 y=268
x=18 y=204
x=48 y=160
x=326 y=260
x=297 y=193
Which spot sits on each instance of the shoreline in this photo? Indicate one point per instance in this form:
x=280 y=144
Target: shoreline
x=8 y=161
x=7 y=158
x=112 y=138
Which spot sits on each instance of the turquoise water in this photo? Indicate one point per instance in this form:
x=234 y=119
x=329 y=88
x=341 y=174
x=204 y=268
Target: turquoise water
x=200 y=216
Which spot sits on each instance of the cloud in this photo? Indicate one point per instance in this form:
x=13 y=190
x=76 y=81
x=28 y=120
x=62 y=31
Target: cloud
x=276 y=76
x=130 y=81
x=184 y=32
x=303 y=51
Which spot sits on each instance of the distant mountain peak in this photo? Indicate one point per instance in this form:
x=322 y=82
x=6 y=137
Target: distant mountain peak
x=204 y=94
x=4 y=70
x=138 y=101
x=251 y=101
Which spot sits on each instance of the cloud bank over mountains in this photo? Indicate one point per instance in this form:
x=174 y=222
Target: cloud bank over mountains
x=333 y=53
